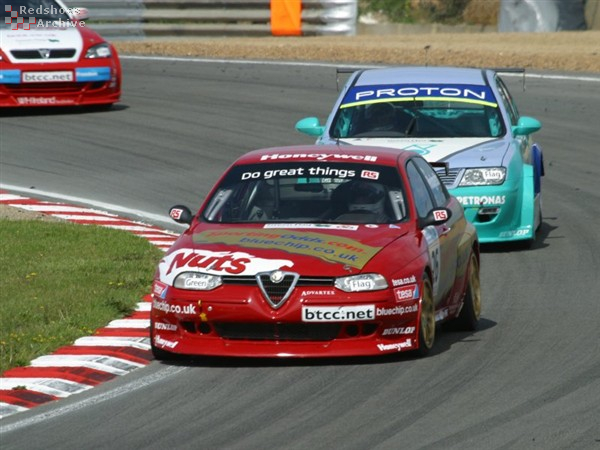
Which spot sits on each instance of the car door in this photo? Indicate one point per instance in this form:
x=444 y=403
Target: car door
x=442 y=239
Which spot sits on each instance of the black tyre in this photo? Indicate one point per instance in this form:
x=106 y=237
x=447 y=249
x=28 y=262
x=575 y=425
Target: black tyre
x=468 y=319
x=426 y=319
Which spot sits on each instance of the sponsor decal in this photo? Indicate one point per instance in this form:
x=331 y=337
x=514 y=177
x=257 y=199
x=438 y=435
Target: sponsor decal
x=43 y=101
x=334 y=249
x=325 y=292
x=169 y=308
x=514 y=233
x=403 y=281
x=159 y=289
x=369 y=174
x=480 y=200
x=407 y=293
x=440 y=214
x=396 y=346
x=164 y=343
x=10 y=76
x=319 y=157
x=420 y=149
x=299 y=172
x=47 y=77
x=164 y=326
x=398 y=330
x=176 y=213
x=92 y=74
x=215 y=263
x=481 y=95
x=433 y=246
x=327 y=226
x=397 y=310
x=337 y=313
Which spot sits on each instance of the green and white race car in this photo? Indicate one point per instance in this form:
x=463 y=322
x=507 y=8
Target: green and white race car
x=463 y=117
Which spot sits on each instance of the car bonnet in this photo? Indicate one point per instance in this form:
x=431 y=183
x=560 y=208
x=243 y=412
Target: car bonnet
x=460 y=152
x=41 y=39
x=323 y=250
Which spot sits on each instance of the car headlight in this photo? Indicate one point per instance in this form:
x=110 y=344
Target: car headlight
x=195 y=281
x=99 y=51
x=361 y=283
x=484 y=176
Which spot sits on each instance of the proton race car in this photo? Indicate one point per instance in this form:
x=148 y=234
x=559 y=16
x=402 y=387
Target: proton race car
x=317 y=251
x=48 y=57
x=464 y=117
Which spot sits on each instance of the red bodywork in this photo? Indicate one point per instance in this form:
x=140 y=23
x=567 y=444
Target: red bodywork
x=318 y=319
x=17 y=93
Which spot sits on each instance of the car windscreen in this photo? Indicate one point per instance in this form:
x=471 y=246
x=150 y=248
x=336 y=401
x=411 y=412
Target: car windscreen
x=430 y=111
x=318 y=192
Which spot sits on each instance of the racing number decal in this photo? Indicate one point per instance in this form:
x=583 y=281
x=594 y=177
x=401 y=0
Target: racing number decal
x=433 y=247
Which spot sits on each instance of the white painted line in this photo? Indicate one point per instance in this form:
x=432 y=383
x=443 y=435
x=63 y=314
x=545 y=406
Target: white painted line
x=7 y=409
x=140 y=383
x=159 y=234
x=128 y=227
x=117 y=366
x=87 y=201
x=161 y=244
x=95 y=217
x=334 y=65
x=51 y=386
x=143 y=306
x=129 y=323
x=114 y=341
x=8 y=197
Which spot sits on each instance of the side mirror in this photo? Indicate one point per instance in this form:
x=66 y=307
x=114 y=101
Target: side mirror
x=435 y=217
x=310 y=126
x=526 y=126
x=181 y=214
x=79 y=14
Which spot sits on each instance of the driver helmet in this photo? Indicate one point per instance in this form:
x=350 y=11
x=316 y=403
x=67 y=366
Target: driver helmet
x=381 y=116
x=368 y=197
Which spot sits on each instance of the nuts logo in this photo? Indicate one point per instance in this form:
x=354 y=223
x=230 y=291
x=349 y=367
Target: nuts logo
x=216 y=263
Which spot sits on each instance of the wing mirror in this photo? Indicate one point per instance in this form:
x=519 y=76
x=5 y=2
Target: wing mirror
x=181 y=214
x=435 y=217
x=310 y=126
x=526 y=126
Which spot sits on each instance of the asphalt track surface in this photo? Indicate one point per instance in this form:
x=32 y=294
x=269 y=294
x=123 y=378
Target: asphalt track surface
x=529 y=379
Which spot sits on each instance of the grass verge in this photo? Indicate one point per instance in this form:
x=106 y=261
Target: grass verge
x=61 y=281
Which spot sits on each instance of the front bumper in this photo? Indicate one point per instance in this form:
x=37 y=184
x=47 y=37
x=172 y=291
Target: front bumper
x=248 y=327
x=94 y=82
x=499 y=213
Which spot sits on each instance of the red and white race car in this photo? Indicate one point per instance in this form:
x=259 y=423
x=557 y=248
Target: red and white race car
x=317 y=251
x=48 y=57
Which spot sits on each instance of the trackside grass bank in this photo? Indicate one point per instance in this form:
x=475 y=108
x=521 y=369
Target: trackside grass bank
x=61 y=281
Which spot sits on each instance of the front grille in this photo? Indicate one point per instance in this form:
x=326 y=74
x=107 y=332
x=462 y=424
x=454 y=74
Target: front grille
x=302 y=281
x=278 y=331
x=447 y=178
x=55 y=53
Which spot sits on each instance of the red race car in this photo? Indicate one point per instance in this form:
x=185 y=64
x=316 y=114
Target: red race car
x=317 y=251
x=48 y=57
